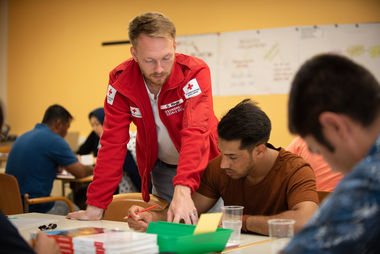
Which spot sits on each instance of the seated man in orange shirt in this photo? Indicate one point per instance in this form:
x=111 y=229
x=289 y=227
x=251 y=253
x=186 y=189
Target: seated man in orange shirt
x=326 y=179
x=269 y=182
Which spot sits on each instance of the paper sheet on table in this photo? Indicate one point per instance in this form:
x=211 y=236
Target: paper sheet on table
x=65 y=175
x=232 y=245
x=20 y=223
x=207 y=223
x=87 y=159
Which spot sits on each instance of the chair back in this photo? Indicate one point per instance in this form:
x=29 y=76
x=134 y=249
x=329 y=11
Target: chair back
x=10 y=198
x=120 y=204
x=322 y=195
x=5 y=149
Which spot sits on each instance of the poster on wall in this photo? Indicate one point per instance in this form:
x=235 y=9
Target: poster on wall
x=359 y=42
x=205 y=47
x=258 y=62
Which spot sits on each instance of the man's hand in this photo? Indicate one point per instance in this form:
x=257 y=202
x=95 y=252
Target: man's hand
x=182 y=206
x=45 y=244
x=139 y=221
x=91 y=213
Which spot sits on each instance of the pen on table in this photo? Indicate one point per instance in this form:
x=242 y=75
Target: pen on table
x=143 y=210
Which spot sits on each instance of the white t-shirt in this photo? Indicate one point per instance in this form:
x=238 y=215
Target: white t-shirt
x=167 y=152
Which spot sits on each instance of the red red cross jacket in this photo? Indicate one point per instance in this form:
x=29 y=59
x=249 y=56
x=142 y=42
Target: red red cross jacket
x=185 y=108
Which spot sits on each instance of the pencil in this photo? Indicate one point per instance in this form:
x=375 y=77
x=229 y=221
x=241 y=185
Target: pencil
x=143 y=210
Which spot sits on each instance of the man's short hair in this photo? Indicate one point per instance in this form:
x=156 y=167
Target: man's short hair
x=152 y=24
x=245 y=122
x=55 y=113
x=335 y=84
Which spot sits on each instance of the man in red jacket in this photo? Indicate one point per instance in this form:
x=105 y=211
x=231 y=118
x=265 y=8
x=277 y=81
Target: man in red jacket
x=168 y=97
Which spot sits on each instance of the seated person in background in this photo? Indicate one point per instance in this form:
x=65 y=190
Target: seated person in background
x=92 y=145
x=269 y=182
x=326 y=179
x=12 y=242
x=36 y=155
x=334 y=105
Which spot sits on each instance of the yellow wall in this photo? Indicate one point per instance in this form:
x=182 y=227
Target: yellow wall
x=55 y=53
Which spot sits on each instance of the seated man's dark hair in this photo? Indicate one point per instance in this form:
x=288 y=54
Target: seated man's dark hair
x=245 y=122
x=54 y=113
x=331 y=83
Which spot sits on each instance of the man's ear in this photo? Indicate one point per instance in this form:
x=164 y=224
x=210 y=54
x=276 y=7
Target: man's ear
x=133 y=53
x=333 y=125
x=260 y=150
x=55 y=127
x=58 y=124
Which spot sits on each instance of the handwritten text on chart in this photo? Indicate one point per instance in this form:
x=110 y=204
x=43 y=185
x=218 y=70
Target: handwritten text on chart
x=282 y=71
x=356 y=50
x=374 y=51
x=247 y=43
x=242 y=63
x=193 y=50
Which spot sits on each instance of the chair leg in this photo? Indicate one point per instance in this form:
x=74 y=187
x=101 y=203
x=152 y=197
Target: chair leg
x=26 y=203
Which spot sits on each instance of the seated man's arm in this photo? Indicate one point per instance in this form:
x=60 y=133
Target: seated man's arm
x=79 y=170
x=141 y=221
x=203 y=203
x=301 y=213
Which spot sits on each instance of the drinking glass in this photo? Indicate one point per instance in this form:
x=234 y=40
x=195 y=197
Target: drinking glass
x=232 y=218
x=281 y=232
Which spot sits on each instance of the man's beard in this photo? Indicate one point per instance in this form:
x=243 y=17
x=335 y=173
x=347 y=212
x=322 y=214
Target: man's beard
x=247 y=170
x=157 y=82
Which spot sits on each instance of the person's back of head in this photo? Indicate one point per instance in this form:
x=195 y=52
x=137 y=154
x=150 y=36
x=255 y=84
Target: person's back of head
x=55 y=113
x=331 y=83
x=245 y=122
x=152 y=24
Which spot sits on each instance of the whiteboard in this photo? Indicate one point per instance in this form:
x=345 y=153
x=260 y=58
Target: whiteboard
x=360 y=43
x=205 y=47
x=256 y=62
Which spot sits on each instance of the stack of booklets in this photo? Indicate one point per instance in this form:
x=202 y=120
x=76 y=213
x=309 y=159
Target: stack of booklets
x=95 y=240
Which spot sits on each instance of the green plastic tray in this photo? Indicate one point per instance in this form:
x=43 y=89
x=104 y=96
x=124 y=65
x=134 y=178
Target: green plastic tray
x=179 y=238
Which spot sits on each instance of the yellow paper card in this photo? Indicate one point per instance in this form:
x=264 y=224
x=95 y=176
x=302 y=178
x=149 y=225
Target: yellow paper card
x=207 y=223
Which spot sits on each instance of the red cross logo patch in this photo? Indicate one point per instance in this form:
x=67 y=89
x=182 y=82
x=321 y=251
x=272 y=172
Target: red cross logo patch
x=111 y=92
x=192 y=89
x=135 y=112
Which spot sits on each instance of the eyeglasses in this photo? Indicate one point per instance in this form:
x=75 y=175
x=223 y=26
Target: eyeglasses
x=51 y=226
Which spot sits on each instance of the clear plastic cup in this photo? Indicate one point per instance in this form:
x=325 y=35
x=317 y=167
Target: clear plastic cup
x=281 y=232
x=232 y=218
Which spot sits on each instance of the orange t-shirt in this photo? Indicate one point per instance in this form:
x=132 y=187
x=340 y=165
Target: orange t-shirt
x=289 y=182
x=326 y=179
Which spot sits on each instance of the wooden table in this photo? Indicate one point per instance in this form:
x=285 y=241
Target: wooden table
x=68 y=179
x=248 y=243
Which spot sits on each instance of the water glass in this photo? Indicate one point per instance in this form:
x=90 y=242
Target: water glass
x=281 y=232
x=232 y=218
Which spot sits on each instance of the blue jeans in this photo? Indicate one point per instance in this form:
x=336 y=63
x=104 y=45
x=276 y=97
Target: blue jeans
x=162 y=180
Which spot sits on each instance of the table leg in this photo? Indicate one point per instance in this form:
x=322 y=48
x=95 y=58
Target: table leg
x=63 y=188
